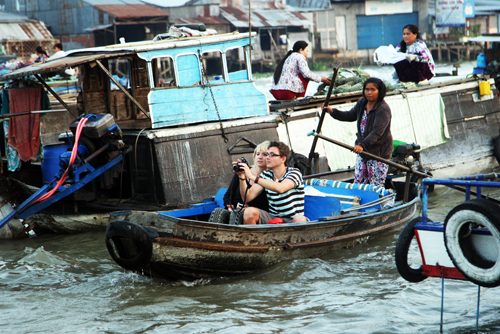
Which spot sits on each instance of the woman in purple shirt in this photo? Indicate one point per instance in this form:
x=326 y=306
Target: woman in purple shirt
x=418 y=66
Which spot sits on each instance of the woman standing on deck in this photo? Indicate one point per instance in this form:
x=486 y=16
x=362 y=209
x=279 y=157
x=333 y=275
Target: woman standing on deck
x=418 y=66
x=292 y=75
x=373 y=116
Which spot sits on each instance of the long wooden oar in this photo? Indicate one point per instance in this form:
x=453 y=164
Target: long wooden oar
x=394 y=164
x=322 y=117
x=373 y=156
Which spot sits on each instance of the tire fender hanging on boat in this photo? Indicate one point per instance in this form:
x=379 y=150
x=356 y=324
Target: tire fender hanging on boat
x=477 y=260
x=402 y=249
x=129 y=244
x=496 y=148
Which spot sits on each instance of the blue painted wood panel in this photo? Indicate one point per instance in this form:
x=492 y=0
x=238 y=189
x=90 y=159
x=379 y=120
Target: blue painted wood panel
x=377 y=30
x=189 y=70
x=195 y=104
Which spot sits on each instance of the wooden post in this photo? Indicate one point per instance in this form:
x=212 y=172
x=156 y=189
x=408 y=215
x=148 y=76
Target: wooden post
x=37 y=76
x=322 y=117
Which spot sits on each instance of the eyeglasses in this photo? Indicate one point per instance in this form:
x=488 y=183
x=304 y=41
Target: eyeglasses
x=272 y=155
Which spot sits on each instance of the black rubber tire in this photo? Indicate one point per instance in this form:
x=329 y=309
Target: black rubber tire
x=129 y=244
x=475 y=265
x=236 y=217
x=402 y=249
x=496 y=148
x=220 y=216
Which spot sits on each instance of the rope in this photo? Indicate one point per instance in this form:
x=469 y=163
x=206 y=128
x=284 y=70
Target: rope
x=205 y=76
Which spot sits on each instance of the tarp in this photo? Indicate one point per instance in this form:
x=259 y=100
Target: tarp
x=485 y=38
x=419 y=119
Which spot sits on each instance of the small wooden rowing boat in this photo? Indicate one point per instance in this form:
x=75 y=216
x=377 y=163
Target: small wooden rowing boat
x=182 y=244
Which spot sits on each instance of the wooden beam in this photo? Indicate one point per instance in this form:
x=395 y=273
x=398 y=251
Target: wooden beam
x=121 y=23
x=122 y=88
x=37 y=76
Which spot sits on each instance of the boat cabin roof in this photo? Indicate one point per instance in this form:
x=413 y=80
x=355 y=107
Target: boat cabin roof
x=89 y=55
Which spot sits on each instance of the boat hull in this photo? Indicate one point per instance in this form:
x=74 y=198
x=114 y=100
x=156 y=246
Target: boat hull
x=189 y=249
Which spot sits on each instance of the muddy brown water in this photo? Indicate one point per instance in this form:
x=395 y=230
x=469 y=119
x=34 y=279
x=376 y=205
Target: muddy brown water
x=70 y=284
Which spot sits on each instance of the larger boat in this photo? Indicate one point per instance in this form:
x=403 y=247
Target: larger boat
x=187 y=107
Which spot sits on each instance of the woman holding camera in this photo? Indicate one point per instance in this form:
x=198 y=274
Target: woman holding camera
x=233 y=196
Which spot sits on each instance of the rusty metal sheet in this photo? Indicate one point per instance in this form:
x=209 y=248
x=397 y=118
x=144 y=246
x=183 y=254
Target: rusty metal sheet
x=60 y=64
x=24 y=31
x=132 y=11
x=206 y=20
x=262 y=17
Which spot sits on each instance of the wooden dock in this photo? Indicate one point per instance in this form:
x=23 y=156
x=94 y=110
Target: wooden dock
x=453 y=51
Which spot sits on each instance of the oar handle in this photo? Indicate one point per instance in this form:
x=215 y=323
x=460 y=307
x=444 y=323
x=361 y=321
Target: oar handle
x=332 y=83
x=322 y=117
x=373 y=156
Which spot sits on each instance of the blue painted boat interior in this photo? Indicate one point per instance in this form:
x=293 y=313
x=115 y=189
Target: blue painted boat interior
x=315 y=207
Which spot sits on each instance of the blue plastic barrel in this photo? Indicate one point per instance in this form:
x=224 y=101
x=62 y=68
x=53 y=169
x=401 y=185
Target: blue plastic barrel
x=481 y=60
x=50 y=163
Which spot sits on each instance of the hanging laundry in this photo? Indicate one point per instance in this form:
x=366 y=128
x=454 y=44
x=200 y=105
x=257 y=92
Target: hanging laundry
x=24 y=131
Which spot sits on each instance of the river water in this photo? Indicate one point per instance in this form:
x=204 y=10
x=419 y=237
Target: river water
x=70 y=284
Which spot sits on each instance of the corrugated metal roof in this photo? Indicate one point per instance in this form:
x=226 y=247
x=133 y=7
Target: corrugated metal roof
x=166 y=3
x=205 y=20
x=321 y=4
x=99 y=27
x=24 y=31
x=131 y=11
x=11 y=17
x=59 y=64
x=113 y=2
x=264 y=17
x=78 y=57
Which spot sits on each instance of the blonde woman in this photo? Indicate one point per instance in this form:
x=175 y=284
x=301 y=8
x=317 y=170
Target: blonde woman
x=233 y=196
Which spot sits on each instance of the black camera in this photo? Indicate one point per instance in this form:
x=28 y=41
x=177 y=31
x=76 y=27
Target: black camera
x=237 y=168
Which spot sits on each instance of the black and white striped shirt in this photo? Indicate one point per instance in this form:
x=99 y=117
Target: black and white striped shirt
x=290 y=203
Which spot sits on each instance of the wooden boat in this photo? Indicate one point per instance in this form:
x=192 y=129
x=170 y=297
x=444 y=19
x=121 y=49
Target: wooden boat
x=186 y=114
x=181 y=244
x=468 y=142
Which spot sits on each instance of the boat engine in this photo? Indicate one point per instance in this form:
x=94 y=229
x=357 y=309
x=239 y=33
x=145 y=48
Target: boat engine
x=101 y=140
x=408 y=155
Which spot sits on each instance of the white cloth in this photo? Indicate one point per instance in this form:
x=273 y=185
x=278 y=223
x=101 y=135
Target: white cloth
x=58 y=54
x=388 y=55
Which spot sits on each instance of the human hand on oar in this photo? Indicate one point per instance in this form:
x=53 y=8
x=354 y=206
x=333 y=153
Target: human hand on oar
x=357 y=149
x=327 y=109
